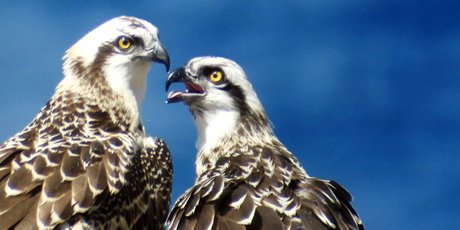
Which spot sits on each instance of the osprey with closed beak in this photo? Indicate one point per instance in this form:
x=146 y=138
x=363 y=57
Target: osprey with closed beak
x=247 y=179
x=85 y=160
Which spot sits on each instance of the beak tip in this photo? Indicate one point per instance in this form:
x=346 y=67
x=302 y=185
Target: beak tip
x=169 y=80
x=175 y=76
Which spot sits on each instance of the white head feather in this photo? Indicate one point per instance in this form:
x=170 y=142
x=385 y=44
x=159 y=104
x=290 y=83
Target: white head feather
x=124 y=72
x=222 y=113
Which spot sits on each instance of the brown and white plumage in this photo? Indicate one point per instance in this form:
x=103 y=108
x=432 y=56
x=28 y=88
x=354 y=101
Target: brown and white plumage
x=247 y=179
x=85 y=161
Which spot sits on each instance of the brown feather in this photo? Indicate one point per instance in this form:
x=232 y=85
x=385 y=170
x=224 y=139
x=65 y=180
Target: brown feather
x=217 y=188
x=62 y=207
x=266 y=218
x=10 y=202
x=206 y=219
x=4 y=172
x=191 y=206
x=54 y=186
x=21 y=179
x=17 y=213
x=225 y=224
x=244 y=212
x=53 y=155
x=41 y=168
x=81 y=193
x=71 y=166
x=96 y=175
x=44 y=212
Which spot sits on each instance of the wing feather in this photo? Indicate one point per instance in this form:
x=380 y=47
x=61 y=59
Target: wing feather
x=54 y=187
x=71 y=166
x=207 y=217
x=60 y=169
x=20 y=210
x=19 y=182
x=62 y=208
x=273 y=193
x=143 y=204
x=97 y=177
x=81 y=194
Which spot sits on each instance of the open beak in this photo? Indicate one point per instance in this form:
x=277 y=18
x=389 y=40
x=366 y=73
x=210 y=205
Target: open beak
x=160 y=55
x=193 y=89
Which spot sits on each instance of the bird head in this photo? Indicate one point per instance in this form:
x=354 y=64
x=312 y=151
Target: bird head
x=117 y=54
x=121 y=41
x=219 y=95
x=214 y=84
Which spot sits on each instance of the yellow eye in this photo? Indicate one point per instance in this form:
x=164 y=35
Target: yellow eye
x=124 y=43
x=216 y=76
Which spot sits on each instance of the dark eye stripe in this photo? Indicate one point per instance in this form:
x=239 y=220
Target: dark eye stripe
x=238 y=97
x=138 y=41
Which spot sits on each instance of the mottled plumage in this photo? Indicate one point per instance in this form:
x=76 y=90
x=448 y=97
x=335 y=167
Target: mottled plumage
x=85 y=160
x=247 y=179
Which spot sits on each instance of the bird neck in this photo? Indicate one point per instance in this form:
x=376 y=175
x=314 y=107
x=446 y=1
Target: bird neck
x=116 y=98
x=213 y=126
x=220 y=132
x=129 y=85
x=129 y=82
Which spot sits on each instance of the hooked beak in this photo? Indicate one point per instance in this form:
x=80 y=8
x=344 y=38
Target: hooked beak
x=177 y=75
x=193 y=89
x=160 y=55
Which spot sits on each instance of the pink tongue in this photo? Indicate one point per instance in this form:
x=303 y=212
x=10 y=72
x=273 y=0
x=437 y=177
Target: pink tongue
x=174 y=94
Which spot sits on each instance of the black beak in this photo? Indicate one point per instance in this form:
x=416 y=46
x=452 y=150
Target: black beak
x=160 y=55
x=177 y=75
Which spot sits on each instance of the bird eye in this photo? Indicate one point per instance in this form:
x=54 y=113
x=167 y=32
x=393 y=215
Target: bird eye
x=216 y=76
x=124 y=42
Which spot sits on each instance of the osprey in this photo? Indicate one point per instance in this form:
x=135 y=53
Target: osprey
x=85 y=161
x=247 y=179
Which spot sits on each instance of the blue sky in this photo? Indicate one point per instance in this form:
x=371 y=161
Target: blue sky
x=363 y=92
